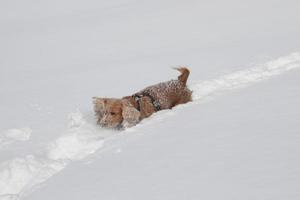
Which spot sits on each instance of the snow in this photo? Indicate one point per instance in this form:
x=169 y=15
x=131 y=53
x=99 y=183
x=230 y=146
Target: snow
x=214 y=158
x=21 y=173
x=13 y=135
x=246 y=77
x=83 y=138
x=22 y=134
x=80 y=140
x=239 y=139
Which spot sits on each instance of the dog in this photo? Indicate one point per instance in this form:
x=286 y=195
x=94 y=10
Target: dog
x=130 y=110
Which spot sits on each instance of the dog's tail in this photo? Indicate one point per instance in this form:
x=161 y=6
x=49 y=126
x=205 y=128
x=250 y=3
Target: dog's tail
x=185 y=72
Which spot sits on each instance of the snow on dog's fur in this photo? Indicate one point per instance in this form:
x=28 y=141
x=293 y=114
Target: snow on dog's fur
x=129 y=110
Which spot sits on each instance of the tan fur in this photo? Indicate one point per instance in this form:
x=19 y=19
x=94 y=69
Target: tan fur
x=118 y=113
x=184 y=74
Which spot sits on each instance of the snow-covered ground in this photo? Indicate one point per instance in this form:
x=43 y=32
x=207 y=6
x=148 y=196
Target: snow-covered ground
x=239 y=139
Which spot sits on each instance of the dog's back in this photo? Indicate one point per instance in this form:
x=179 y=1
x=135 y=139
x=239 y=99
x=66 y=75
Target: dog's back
x=171 y=93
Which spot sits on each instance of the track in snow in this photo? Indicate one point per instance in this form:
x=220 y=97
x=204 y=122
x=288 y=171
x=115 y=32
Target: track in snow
x=82 y=138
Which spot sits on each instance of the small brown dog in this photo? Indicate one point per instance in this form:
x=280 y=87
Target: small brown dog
x=128 y=111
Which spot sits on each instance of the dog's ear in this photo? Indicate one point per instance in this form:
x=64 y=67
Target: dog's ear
x=131 y=116
x=99 y=105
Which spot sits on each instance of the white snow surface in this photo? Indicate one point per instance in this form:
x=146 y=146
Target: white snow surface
x=238 y=139
x=13 y=135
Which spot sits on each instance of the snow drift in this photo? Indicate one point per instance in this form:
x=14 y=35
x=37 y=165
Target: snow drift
x=82 y=137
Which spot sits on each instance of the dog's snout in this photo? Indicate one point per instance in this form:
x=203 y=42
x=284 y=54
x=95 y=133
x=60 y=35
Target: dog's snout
x=104 y=121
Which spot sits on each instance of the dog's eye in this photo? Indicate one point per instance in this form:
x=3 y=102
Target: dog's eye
x=113 y=113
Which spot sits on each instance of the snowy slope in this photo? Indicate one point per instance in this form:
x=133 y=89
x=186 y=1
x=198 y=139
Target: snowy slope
x=237 y=140
x=227 y=154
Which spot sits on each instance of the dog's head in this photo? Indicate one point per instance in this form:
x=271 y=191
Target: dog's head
x=115 y=113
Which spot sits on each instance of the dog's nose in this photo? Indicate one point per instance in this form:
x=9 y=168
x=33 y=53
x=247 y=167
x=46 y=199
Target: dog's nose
x=103 y=125
x=104 y=121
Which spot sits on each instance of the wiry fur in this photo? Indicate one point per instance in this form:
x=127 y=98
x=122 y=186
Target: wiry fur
x=117 y=113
